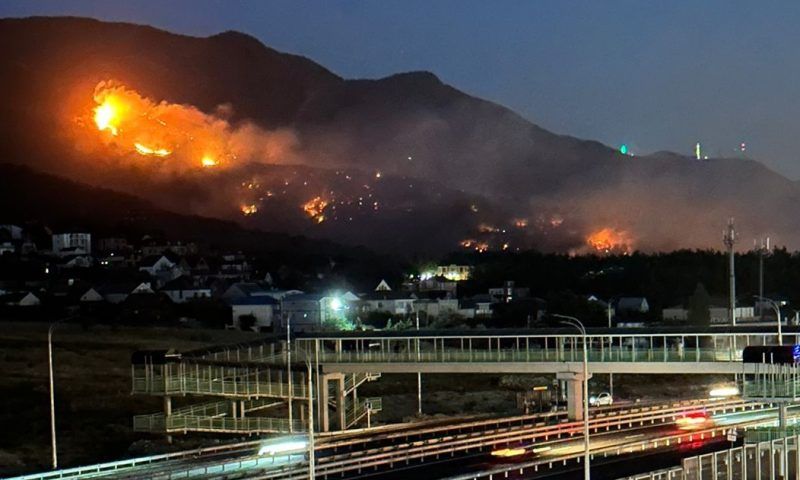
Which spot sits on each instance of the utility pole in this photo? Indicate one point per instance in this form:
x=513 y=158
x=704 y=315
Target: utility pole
x=419 y=374
x=729 y=239
x=763 y=250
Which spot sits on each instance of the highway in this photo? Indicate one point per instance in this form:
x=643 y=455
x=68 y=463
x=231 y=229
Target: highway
x=430 y=447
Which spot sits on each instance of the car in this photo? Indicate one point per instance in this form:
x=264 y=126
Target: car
x=603 y=400
x=694 y=420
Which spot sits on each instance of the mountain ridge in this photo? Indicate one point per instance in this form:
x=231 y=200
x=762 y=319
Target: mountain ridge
x=405 y=126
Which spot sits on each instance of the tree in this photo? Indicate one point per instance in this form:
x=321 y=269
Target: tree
x=698 y=306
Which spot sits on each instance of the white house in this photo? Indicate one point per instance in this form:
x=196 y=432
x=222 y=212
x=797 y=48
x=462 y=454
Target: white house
x=160 y=267
x=72 y=243
x=262 y=308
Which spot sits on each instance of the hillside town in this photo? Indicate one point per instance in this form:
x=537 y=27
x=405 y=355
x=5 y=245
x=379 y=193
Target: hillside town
x=156 y=281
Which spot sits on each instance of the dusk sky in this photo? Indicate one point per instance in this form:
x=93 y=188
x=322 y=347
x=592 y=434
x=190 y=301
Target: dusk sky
x=655 y=75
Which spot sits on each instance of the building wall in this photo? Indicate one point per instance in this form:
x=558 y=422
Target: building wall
x=264 y=314
x=63 y=241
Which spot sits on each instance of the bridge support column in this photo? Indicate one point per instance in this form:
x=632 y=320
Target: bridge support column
x=574 y=383
x=340 y=403
x=167 y=413
x=323 y=400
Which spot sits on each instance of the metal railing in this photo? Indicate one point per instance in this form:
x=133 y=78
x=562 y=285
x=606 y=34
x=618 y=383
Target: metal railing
x=532 y=355
x=185 y=423
x=772 y=459
x=237 y=387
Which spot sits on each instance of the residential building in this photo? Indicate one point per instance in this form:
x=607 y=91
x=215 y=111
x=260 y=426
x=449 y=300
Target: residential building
x=263 y=309
x=183 y=289
x=508 y=292
x=72 y=243
x=455 y=273
x=631 y=305
x=20 y=299
x=118 y=292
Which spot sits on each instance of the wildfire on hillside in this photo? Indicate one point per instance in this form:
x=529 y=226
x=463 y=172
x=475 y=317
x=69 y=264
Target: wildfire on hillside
x=315 y=209
x=609 y=240
x=182 y=135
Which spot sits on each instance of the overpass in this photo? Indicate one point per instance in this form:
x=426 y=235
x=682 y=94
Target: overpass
x=258 y=376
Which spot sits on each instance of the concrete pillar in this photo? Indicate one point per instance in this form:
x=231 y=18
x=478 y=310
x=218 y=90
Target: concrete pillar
x=323 y=401
x=782 y=415
x=574 y=383
x=241 y=408
x=340 y=403
x=167 y=413
x=234 y=408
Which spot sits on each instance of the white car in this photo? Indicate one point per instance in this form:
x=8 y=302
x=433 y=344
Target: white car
x=602 y=400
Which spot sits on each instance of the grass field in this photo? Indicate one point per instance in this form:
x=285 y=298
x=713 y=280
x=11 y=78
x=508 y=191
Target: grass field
x=94 y=406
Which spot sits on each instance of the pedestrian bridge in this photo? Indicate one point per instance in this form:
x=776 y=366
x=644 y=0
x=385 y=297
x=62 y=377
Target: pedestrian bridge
x=708 y=352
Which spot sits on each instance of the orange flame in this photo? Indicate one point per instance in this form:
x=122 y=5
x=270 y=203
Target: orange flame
x=248 y=210
x=315 y=209
x=607 y=240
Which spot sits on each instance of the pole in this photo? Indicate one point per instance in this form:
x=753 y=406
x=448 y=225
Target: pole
x=311 y=460
x=586 y=473
x=572 y=321
x=419 y=375
x=52 y=395
x=729 y=239
x=780 y=328
x=289 y=365
x=610 y=375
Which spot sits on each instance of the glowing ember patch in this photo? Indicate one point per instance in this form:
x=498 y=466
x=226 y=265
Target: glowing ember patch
x=315 y=209
x=105 y=116
x=608 y=240
x=147 y=151
x=248 y=210
x=209 y=162
x=521 y=223
x=508 y=452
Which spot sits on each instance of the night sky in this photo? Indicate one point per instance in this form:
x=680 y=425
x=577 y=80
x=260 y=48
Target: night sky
x=655 y=75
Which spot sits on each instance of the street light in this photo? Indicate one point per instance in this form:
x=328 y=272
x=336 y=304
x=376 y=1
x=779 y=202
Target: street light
x=311 y=460
x=52 y=392
x=574 y=322
x=776 y=306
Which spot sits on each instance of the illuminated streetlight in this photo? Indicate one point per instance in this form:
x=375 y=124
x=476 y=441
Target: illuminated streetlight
x=574 y=322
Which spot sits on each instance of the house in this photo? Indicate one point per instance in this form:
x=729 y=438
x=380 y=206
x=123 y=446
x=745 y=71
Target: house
x=263 y=309
x=91 y=295
x=159 y=267
x=183 y=288
x=308 y=312
x=508 y=292
x=76 y=261
x=113 y=245
x=394 y=303
x=437 y=284
x=631 y=305
x=244 y=290
x=14 y=232
x=73 y=243
x=454 y=273
x=118 y=293
x=383 y=299
x=7 y=247
x=20 y=299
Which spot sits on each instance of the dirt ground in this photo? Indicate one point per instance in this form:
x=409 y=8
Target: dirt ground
x=94 y=405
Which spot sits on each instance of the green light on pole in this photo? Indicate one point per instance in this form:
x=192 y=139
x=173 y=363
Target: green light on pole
x=623 y=149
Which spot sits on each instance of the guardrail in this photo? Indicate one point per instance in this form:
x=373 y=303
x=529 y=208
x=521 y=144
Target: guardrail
x=419 y=450
x=668 y=441
x=767 y=459
x=637 y=414
x=611 y=354
x=243 y=387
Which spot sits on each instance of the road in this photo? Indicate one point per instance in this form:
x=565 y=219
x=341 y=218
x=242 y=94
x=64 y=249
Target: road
x=435 y=450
